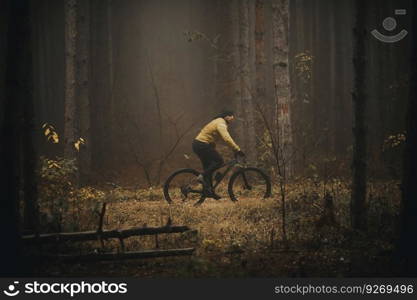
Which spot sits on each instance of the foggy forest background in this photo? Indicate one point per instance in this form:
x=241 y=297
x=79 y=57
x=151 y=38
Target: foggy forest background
x=110 y=94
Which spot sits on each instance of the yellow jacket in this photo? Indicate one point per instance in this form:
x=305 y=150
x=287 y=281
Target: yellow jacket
x=211 y=132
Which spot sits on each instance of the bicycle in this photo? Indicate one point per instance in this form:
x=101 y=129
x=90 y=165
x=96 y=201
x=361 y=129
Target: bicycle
x=187 y=184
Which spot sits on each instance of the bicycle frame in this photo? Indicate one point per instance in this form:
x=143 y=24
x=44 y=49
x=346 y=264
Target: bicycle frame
x=230 y=165
x=196 y=184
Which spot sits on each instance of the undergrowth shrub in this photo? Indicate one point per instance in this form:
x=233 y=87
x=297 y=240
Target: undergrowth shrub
x=63 y=206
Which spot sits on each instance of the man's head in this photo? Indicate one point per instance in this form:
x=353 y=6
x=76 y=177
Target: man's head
x=229 y=118
x=228 y=115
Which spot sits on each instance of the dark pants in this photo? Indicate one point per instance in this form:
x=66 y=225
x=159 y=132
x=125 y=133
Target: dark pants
x=210 y=158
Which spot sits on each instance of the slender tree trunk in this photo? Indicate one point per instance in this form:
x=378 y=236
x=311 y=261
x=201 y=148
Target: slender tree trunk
x=359 y=98
x=217 y=16
x=340 y=112
x=347 y=53
x=298 y=86
x=70 y=78
x=246 y=77
x=83 y=87
x=224 y=55
x=236 y=70
x=112 y=106
x=408 y=242
x=110 y=46
x=323 y=90
x=253 y=140
x=280 y=66
x=269 y=57
x=50 y=70
x=316 y=46
x=260 y=61
x=332 y=112
x=102 y=81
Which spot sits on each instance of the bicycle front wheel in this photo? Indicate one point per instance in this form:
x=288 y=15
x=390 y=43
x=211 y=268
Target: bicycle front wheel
x=249 y=184
x=184 y=185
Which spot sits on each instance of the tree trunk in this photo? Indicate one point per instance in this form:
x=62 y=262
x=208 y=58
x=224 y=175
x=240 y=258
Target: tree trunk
x=260 y=61
x=70 y=78
x=314 y=45
x=332 y=95
x=102 y=116
x=83 y=88
x=341 y=111
x=31 y=216
x=110 y=50
x=246 y=77
x=408 y=242
x=49 y=66
x=359 y=98
x=299 y=82
x=224 y=54
x=111 y=106
x=235 y=76
x=280 y=28
x=18 y=95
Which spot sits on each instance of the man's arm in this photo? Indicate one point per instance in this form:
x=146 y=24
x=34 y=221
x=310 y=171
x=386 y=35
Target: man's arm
x=224 y=133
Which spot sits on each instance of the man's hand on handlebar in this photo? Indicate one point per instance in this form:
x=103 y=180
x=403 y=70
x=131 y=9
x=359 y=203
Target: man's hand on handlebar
x=239 y=154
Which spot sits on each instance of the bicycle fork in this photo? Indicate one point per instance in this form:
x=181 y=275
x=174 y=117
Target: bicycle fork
x=245 y=181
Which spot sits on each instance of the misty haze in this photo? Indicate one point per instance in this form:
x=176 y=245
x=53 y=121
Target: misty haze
x=208 y=138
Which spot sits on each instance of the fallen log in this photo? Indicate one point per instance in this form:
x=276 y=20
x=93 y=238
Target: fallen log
x=105 y=234
x=119 y=256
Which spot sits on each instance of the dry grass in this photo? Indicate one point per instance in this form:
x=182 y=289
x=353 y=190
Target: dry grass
x=222 y=225
x=244 y=238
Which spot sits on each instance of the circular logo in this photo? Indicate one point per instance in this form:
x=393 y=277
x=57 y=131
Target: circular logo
x=389 y=24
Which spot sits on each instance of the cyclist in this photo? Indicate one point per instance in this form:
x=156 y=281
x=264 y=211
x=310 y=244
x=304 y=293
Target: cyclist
x=204 y=145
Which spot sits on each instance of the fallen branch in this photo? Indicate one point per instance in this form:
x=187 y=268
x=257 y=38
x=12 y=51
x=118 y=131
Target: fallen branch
x=105 y=234
x=124 y=255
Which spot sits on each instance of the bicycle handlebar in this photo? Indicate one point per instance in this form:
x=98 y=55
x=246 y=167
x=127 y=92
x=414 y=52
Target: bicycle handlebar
x=240 y=159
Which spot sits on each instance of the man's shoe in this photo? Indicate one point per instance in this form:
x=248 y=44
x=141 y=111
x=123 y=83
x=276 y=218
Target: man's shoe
x=215 y=196
x=209 y=193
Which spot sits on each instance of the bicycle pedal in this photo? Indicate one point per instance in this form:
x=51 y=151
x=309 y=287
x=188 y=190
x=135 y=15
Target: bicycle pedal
x=200 y=179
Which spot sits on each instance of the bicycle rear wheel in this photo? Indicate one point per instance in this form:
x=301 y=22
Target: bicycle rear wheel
x=184 y=185
x=249 y=184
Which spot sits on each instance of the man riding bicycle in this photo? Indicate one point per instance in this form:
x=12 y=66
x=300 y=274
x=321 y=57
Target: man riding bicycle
x=204 y=145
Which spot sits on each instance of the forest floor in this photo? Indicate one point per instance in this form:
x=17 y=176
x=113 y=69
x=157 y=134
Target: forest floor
x=242 y=239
